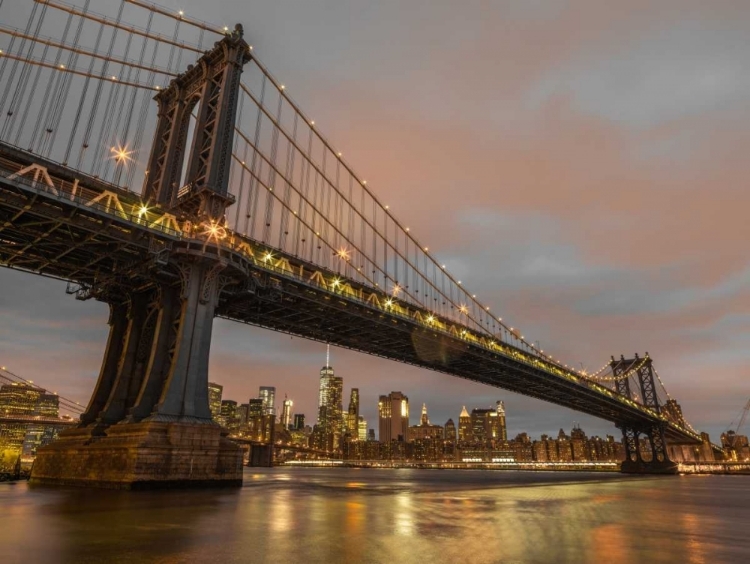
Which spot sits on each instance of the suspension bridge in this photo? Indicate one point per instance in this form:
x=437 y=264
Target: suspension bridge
x=239 y=208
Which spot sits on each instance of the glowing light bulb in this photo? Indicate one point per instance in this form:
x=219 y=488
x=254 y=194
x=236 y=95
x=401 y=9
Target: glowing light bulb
x=312 y=122
x=181 y=13
x=143 y=210
x=121 y=154
x=268 y=256
x=282 y=87
x=339 y=154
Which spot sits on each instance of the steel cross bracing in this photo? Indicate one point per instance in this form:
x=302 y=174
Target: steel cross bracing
x=68 y=226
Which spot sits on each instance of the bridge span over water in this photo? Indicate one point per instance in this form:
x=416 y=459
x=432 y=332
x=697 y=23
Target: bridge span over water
x=246 y=212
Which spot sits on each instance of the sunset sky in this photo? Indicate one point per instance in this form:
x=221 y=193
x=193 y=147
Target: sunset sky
x=582 y=166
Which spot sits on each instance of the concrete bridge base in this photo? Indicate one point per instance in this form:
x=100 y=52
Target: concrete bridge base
x=146 y=455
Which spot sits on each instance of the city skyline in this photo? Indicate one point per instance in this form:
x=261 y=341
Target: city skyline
x=649 y=281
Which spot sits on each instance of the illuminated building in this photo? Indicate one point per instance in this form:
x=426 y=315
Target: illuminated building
x=286 y=413
x=564 y=449
x=579 y=445
x=352 y=418
x=254 y=407
x=299 y=421
x=480 y=426
x=499 y=429
x=214 y=400
x=268 y=395
x=450 y=430
x=464 y=426
x=228 y=416
x=329 y=432
x=362 y=429
x=425 y=430
x=16 y=439
x=393 y=417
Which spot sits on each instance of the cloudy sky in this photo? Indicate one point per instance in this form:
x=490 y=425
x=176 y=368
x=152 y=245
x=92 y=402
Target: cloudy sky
x=582 y=165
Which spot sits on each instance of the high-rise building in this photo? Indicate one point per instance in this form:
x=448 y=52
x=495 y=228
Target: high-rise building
x=18 y=439
x=286 y=413
x=425 y=430
x=214 y=399
x=464 y=427
x=228 y=416
x=500 y=430
x=299 y=421
x=254 y=408
x=450 y=430
x=268 y=395
x=362 y=429
x=330 y=409
x=393 y=417
x=352 y=417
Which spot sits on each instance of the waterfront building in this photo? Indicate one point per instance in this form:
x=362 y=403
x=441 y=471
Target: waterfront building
x=539 y=451
x=329 y=430
x=214 y=399
x=362 y=429
x=268 y=395
x=465 y=434
x=371 y=435
x=579 y=445
x=286 y=413
x=22 y=439
x=425 y=430
x=393 y=417
x=564 y=449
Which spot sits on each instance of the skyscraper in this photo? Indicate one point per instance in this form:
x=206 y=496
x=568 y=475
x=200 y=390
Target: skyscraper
x=286 y=413
x=362 y=429
x=393 y=417
x=268 y=395
x=228 y=416
x=214 y=400
x=352 y=417
x=464 y=426
x=330 y=408
x=501 y=429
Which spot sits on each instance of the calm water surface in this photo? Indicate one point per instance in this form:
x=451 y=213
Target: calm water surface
x=391 y=516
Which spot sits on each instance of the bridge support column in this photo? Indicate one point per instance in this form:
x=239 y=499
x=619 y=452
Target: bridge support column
x=658 y=461
x=148 y=423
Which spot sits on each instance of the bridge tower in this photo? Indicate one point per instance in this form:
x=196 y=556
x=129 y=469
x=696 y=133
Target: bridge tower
x=645 y=447
x=148 y=422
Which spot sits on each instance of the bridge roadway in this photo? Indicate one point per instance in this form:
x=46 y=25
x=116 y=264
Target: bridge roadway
x=33 y=420
x=60 y=223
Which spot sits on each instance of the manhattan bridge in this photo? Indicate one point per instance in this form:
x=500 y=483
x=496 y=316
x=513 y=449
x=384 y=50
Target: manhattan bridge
x=153 y=163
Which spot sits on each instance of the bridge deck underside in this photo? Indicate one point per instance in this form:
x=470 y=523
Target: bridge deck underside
x=298 y=310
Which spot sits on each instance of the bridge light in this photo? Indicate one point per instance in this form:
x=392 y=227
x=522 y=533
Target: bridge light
x=386 y=207
x=339 y=154
x=473 y=295
x=143 y=210
x=62 y=66
x=336 y=282
x=281 y=87
x=463 y=309
x=459 y=281
x=388 y=302
x=121 y=154
x=364 y=182
x=181 y=13
x=268 y=256
x=426 y=249
x=407 y=229
x=443 y=266
x=226 y=28
x=343 y=253
x=312 y=122
x=430 y=319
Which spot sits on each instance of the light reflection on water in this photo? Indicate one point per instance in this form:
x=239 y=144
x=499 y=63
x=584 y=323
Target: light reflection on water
x=421 y=516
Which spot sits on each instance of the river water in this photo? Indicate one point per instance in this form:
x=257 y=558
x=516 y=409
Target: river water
x=292 y=515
